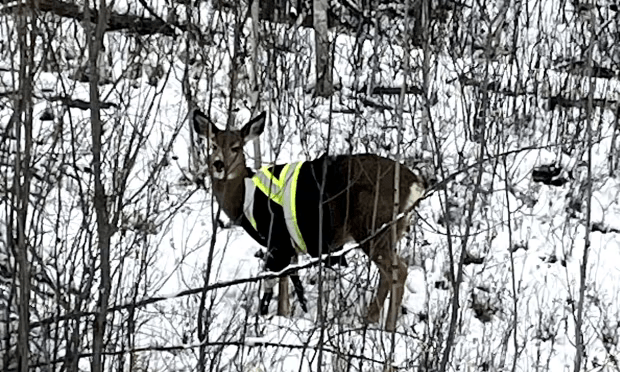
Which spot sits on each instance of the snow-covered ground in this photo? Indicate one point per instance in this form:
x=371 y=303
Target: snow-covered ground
x=518 y=301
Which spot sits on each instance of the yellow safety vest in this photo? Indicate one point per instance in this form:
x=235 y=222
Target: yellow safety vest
x=282 y=191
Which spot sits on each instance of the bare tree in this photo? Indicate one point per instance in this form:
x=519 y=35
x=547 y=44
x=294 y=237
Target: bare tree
x=108 y=252
x=18 y=232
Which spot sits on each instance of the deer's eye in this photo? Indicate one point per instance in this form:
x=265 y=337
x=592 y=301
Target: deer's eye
x=213 y=147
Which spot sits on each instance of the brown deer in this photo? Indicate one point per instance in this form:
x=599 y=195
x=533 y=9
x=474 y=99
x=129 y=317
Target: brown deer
x=282 y=206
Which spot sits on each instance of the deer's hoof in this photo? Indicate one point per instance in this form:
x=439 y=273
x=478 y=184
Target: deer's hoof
x=264 y=309
x=264 y=303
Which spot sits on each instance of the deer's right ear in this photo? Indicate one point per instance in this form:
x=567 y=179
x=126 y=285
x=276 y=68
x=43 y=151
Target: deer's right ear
x=254 y=128
x=202 y=125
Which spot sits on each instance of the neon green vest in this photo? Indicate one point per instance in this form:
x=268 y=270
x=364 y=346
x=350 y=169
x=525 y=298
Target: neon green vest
x=281 y=190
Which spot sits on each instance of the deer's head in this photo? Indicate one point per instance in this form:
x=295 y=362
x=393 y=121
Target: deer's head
x=225 y=147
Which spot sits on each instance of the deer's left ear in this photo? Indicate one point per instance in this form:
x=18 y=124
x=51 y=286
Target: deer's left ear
x=254 y=128
x=202 y=125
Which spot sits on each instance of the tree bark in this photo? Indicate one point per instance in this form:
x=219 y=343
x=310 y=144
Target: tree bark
x=324 y=79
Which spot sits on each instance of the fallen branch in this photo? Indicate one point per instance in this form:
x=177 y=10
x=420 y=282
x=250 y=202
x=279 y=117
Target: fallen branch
x=79 y=103
x=392 y=91
x=116 y=21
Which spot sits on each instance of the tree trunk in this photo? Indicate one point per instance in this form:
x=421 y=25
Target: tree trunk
x=104 y=230
x=324 y=80
x=21 y=184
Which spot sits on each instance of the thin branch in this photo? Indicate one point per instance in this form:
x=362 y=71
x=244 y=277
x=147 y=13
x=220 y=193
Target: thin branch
x=579 y=343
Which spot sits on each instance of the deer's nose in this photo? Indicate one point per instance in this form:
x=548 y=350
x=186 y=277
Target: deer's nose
x=218 y=165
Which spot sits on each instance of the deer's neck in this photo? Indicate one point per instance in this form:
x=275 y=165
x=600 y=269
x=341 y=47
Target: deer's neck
x=230 y=195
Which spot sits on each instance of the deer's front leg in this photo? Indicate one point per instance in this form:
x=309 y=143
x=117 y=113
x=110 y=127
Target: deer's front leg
x=277 y=259
x=267 y=296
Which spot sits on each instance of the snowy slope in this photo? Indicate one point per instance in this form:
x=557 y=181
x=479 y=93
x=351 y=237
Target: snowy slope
x=529 y=238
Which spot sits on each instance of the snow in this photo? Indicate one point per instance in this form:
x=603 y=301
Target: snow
x=531 y=238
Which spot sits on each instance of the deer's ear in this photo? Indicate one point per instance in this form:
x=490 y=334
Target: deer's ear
x=254 y=128
x=202 y=125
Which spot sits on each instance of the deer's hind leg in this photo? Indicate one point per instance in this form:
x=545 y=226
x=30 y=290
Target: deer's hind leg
x=392 y=277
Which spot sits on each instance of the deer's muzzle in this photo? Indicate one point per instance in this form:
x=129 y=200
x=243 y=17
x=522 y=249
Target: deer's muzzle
x=218 y=165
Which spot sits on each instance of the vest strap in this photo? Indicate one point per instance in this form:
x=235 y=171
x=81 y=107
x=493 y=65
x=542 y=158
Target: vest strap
x=282 y=190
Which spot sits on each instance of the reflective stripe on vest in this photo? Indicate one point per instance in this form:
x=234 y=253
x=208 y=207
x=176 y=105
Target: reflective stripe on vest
x=283 y=191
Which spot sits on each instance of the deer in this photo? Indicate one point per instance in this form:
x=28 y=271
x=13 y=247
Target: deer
x=315 y=207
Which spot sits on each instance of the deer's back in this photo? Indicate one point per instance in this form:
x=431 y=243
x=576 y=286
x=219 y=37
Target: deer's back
x=352 y=187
